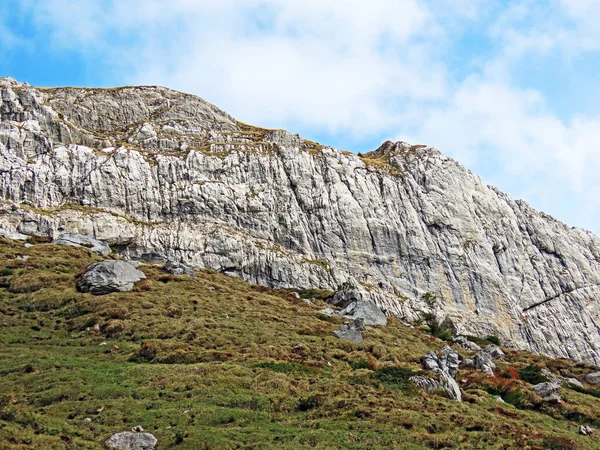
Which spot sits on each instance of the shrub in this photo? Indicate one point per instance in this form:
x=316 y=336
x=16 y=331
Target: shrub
x=493 y=339
x=346 y=286
x=309 y=403
x=532 y=374
x=559 y=443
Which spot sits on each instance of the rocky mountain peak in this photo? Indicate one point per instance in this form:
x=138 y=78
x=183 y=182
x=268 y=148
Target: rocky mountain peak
x=157 y=172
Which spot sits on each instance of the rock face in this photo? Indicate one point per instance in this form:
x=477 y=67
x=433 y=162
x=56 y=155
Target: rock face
x=177 y=268
x=78 y=240
x=105 y=277
x=131 y=441
x=152 y=171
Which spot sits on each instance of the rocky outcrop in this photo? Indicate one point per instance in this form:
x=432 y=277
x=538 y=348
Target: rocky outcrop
x=105 y=277
x=178 y=268
x=548 y=392
x=152 y=171
x=77 y=240
x=445 y=365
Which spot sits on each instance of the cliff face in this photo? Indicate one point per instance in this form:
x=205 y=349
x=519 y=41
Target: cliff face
x=151 y=170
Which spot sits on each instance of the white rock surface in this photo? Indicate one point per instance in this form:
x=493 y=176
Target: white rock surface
x=154 y=171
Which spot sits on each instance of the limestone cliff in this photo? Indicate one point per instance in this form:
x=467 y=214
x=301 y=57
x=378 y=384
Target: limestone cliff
x=155 y=171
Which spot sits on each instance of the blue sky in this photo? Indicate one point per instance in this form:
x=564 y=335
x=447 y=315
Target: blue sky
x=509 y=88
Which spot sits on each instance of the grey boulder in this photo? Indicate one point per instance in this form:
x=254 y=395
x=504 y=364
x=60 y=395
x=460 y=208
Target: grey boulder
x=494 y=351
x=574 y=382
x=446 y=360
x=109 y=276
x=593 y=378
x=463 y=342
x=548 y=391
x=481 y=361
x=128 y=440
x=350 y=331
x=368 y=311
x=79 y=240
x=444 y=383
x=586 y=431
x=13 y=236
x=178 y=268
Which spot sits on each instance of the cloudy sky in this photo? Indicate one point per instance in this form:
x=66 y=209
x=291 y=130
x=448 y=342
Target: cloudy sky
x=509 y=88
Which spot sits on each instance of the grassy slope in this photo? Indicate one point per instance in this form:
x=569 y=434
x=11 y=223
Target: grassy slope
x=212 y=362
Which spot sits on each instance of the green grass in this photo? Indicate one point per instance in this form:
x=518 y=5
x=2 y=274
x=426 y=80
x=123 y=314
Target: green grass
x=213 y=362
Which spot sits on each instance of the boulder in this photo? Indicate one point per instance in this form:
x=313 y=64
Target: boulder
x=109 y=276
x=551 y=377
x=445 y=360
x=79 y=240
x=350 y=331
x=343 y=299
x=327 y=311
x=586 y=431
x=494 y=351
x=129 y=440
x=481 y=361
x=574 y=382
x=444 y=383
x=467 y=344
x=178 y=268
x=13 y=236
x=593 y=378
x=370 y=313
x=548 y=391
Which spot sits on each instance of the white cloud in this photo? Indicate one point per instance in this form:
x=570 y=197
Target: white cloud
x=362 y=69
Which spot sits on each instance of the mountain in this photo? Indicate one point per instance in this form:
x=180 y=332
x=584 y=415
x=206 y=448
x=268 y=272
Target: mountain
x=161 y=174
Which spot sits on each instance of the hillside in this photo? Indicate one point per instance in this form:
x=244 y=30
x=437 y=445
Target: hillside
x=161 y=174
x=214 y=362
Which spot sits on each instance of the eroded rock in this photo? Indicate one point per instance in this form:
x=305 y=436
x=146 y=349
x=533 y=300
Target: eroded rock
x=78 y=240
x=129 y=440
x=109 y=276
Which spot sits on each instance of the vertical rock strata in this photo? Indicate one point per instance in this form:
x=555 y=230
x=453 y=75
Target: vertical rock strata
x=155 y=171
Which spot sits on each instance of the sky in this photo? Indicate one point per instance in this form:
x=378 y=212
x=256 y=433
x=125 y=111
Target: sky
x=511 y=89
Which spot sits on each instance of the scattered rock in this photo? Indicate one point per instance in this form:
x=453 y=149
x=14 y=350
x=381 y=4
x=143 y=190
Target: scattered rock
x=494 y=351
x=445 y=360
x=87 y=420
x=548 y=391
x=467 y=344
x=327 y=311
x=574 y=382
x=178 y=268
x=153 y=257
x=13 y=235
x=368 y=311
x=137 y=429
x=499 y=399
x=593 y=378
x=128 y=440
x=586 y=431
x=481 y=361
x=444 y=383
x=342 y=299
x=109 y=276
x=350 y=331
x=23 y=257
x=307 y=301
x=295 y=295
x=551 y=377
x=28 y=245
x=78 y=240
